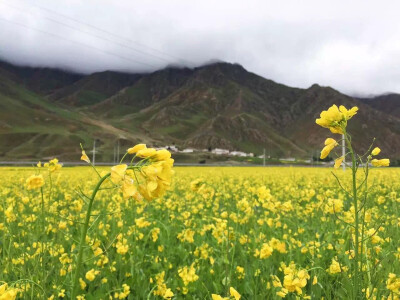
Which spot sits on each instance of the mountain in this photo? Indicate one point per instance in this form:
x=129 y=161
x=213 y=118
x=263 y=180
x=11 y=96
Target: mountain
x=387 y=103
x=39 y=80
x=32 y=127
x=220 y=105
x=93 y=88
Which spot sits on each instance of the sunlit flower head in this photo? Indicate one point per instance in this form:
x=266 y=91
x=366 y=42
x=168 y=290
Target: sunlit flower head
x=34 y=182
x=336 y=118
x=53 y=165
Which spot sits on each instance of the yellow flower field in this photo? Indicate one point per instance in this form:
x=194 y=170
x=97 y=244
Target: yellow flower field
x=217 y=233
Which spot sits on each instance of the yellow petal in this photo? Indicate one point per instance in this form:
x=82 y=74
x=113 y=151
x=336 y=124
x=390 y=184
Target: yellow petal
x=326 y=150
x=336 y=130
x=338 y=162
x=234 y=293
x=117 y=173
x=145 y=153
x=136 y=148
x=163 y=154
x=376 y=151
x=151 y=186
x=3 y=288
x=329 y=141
x=380 y=162
x=129 y=188
x=84 y=157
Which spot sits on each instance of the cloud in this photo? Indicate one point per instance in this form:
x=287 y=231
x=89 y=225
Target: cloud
x=352 y=46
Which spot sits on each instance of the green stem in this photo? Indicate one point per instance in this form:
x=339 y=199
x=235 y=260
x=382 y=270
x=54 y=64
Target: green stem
x=122 y=159
x=44 y=238
x=356 y=219
x=364 y=209
x=227 y=276
x=83 y=237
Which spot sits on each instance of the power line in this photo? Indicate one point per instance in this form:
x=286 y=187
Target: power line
x=87 y=33
x=111 y=34
x=77 y=42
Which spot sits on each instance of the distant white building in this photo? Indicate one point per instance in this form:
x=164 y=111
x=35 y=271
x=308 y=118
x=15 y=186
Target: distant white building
x=171 y=148
x=238 y=153
x=219 y=151
x=288 y=159
x=188 y=150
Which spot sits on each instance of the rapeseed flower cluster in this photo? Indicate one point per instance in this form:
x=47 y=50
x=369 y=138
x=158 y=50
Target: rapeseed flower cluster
x=358 y=214
x=150 y=179
x=7 y=293
x=393 y=284
x=213 y=229
x=34 y=182
x=53 y=165
x=293 y=282
x=335 y=119
x=234 y=295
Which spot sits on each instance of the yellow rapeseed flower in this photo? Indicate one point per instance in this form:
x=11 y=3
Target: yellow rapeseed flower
x=188 y=274
x=282 y=293
x=34 y=182
x=162 y=154
x=329 y=145
x=53 y=165
x=84 y=157
x=348 y=114
x=335 y=267
x=380 y=162
x=91 y=275
x=146 y=152
x=266 y=251
x=234 y=293
x=338 y=162
x=376 y=151
x=136 y=148
x=336 y=118
x=129 y=188
x=118 y=173
x=218 y=297
x=393 y=283
x=7 y=293
x=158 y=178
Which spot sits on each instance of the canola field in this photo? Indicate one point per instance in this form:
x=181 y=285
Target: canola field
x=217 y=233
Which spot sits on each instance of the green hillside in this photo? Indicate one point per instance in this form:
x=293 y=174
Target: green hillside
x=215 y=106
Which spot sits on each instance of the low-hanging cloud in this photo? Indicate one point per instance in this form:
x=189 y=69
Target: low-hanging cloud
x=353 y=46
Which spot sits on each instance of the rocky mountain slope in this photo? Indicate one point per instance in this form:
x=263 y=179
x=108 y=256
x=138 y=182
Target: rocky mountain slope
x=48 y=112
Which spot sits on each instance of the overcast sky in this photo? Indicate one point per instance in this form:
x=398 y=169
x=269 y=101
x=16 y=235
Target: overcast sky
x=353 y=46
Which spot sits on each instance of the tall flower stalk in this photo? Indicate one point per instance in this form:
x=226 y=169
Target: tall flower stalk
x=147 y=179
x=335 y=119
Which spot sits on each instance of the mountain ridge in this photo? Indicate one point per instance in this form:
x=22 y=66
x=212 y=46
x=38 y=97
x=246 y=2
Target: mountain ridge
x=219 y=105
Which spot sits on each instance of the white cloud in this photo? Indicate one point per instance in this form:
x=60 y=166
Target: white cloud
x=350 y=45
